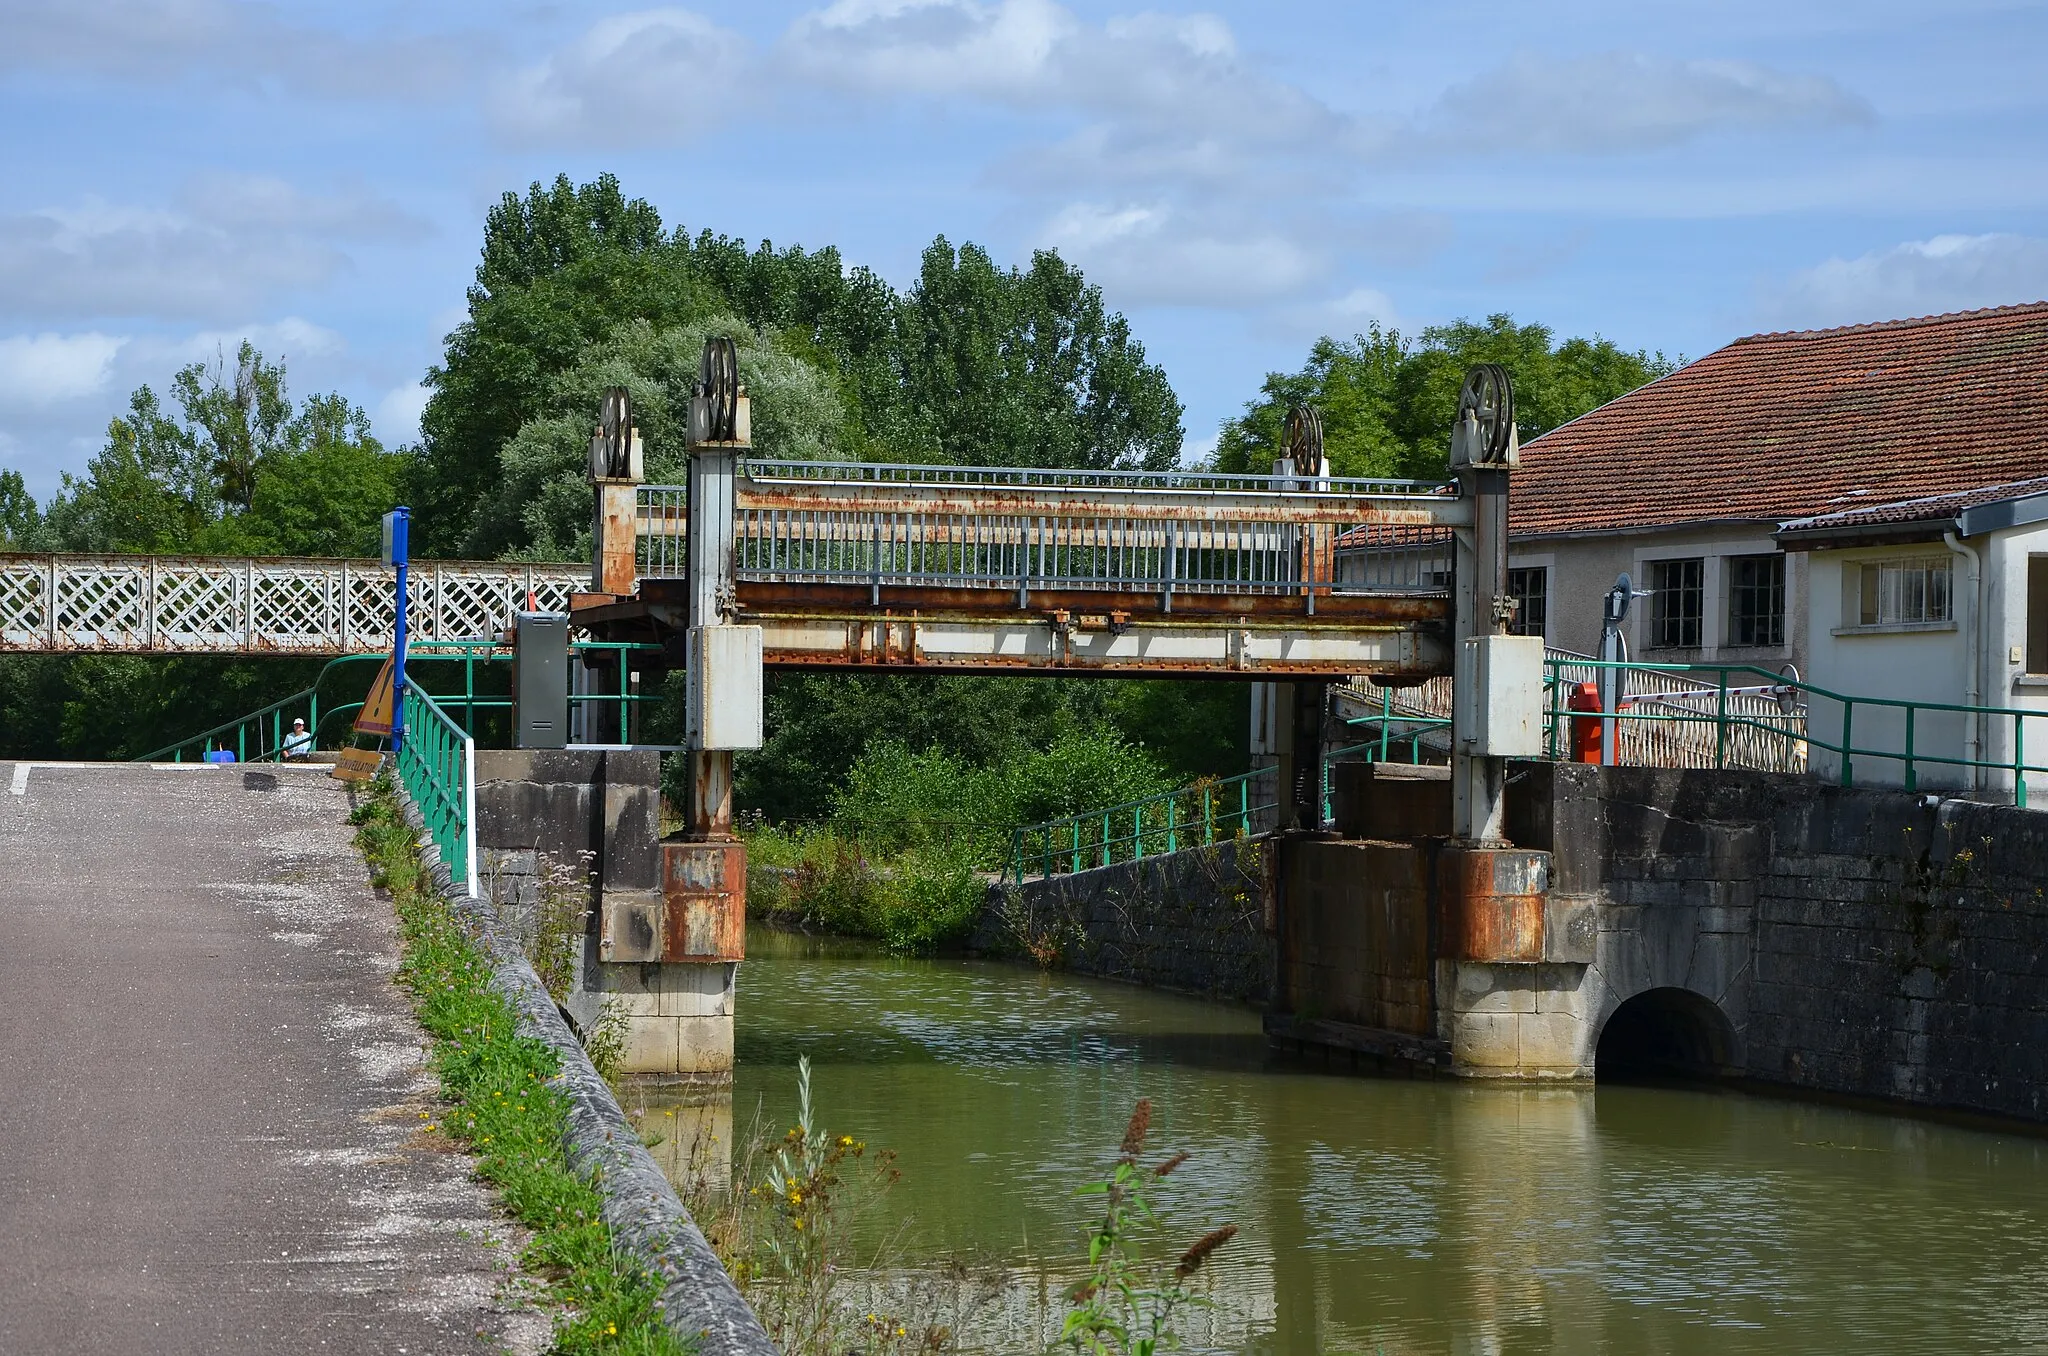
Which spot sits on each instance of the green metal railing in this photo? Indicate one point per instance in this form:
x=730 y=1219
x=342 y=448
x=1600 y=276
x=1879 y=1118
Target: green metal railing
x=437 y=762
x=1727 y=715
x=259 y=736
x=1850 y=730
x=1206 y=812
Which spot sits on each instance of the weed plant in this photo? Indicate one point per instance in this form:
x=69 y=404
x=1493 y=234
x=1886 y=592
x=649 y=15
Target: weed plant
x=503 y=1110
x=786 y=1234
x=1122 y=1307
x=561 y=915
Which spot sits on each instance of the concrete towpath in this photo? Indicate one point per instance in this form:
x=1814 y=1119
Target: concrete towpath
x=211 y=1137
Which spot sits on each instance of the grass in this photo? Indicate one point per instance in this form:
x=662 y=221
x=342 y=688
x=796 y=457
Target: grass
x=501 y=1108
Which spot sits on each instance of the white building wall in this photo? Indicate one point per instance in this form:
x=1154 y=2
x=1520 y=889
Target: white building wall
x=1582 y=569
x=1922 y=663
x=2004 y=677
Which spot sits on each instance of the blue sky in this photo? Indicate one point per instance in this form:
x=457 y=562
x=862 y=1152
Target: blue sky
x=1239 y=178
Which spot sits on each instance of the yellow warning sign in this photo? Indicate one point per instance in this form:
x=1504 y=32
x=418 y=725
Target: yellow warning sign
x=375 y=717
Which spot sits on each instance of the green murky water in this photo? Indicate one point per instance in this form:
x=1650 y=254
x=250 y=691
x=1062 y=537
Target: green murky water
x=1396 y=1216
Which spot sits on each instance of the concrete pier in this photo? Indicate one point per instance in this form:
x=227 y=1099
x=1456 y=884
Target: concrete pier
x=590 y=819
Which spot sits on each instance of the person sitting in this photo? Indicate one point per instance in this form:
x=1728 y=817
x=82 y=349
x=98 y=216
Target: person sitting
x=298 y=745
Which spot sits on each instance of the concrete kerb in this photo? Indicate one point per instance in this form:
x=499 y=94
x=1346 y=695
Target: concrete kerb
x=647 y=1219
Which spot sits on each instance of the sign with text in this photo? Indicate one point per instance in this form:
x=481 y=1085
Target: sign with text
x=355 y=765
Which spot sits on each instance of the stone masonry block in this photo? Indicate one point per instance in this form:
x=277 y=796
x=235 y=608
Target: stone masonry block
x=1571 y=928
x=1493 y=988
x=650 y=1045
x=1486 y=1042
x=1553 y=1042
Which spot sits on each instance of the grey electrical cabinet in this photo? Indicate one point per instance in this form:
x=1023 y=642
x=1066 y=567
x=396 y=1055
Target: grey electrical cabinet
x=540 y=680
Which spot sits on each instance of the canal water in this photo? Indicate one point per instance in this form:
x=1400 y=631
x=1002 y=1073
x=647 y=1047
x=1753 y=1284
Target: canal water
x=1386 y=1215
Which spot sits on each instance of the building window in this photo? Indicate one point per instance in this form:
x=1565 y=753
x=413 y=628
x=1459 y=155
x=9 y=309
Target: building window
x=2037 y=614
x=1908 y=592
x=1677 y=599
x=1756 y=600
x=1530 y=590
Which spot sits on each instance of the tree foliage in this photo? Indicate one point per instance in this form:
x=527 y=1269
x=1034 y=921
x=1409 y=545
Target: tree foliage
x=1388 y=402
x=974 y=364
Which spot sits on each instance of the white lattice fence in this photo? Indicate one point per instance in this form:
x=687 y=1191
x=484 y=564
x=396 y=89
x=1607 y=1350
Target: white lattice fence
x=188 y=605
x=1671 y=720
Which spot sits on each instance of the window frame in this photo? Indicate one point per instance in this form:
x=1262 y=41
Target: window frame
x=1520 y=626
x=1868 y=613
x=1659 y=619
x=1739 y=591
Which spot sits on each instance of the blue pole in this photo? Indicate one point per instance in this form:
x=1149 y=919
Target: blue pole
x=395 y=550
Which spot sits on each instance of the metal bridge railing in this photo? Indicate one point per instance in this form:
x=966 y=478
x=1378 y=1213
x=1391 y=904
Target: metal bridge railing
x=1158 y=533
x=1805 y=727
x=1214 y=810
x=437 y=762
x=196 y=605
x=259 y=736
x=771 y=469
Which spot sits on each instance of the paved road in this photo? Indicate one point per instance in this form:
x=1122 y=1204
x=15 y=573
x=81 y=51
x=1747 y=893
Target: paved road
x=210 y=1089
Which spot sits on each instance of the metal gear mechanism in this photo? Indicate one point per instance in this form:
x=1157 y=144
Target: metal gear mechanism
x=615 y=432
x=718 y=380
x=1489 y=397
x=1304 y=440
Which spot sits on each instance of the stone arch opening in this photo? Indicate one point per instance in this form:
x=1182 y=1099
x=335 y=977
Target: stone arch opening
x=1665 y=1033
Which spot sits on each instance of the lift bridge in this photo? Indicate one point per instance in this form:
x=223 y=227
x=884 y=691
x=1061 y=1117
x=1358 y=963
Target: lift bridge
x=903 y=568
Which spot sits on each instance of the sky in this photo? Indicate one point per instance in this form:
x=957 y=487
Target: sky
x=1239 y=178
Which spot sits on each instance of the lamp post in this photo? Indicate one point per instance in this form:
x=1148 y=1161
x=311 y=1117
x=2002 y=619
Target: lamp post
x=396 y=523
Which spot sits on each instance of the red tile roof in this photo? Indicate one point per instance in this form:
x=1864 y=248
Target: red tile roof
x=1780 y=426
x=1928 y=508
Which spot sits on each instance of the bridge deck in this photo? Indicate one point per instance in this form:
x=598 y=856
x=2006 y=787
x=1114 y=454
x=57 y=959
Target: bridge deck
x=209 y=1087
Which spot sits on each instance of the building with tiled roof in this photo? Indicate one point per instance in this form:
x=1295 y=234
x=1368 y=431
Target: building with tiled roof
x=1868 y=504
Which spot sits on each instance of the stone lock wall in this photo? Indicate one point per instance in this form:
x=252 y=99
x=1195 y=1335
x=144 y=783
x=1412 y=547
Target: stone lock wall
x=1191 y=921
x=1860 y=941
x=600 y=811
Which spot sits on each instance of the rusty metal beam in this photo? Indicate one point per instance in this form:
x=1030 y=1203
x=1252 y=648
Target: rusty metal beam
x=1290 y=509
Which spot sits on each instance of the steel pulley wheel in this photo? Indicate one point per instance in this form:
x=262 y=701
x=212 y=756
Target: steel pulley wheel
x=615 y=427
x=1304 y=440
x=1489 y=396
x=718 y=380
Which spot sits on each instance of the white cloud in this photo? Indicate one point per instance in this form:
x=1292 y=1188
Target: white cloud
x=45 y=369
x=277 y=340
x=1618 y=102
x=235 y=242
x=226 y=42
x=1919 y=277
x=264 y=203
x=397 y=416
x=657 y=75
x=1155 y=255
x=1005 y=50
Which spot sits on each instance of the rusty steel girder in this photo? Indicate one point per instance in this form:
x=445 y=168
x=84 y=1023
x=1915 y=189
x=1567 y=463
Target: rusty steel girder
x=1079 y=632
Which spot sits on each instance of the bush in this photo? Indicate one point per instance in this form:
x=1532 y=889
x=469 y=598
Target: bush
x=895 y=800
x=915 y=901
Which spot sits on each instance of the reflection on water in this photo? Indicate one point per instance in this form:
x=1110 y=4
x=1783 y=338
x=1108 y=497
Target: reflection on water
x=1382 y=1215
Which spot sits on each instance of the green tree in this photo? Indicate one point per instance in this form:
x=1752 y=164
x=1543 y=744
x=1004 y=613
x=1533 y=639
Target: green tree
x=1388 y=403
x=1010 y=368
x=975 y=363
x=561 y=267
x=240 y=470
x=22 y=526
x=149 y=488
